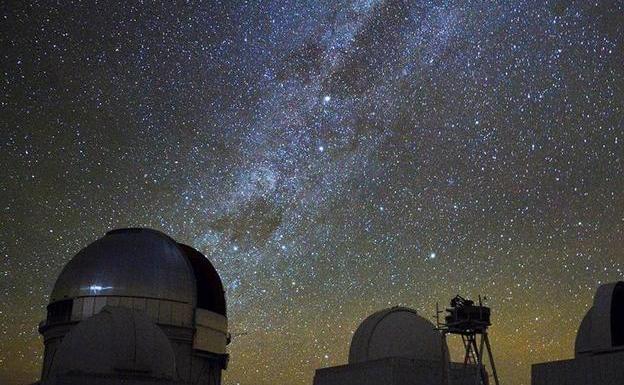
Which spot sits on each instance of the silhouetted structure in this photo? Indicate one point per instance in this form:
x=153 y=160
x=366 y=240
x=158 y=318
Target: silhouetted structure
x=397 y=346
x=471 y=322
x=599 y=346
x=136 y=307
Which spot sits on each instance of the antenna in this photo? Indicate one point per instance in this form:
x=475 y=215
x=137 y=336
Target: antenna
x=470 y=321
x=231 y=336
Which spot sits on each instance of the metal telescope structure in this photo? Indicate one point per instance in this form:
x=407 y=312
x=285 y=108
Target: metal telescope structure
x=471 y=322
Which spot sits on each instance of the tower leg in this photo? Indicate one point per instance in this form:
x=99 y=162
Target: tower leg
x=489 y=348
x=473 y=348
x=481 y=368
x=467 y=346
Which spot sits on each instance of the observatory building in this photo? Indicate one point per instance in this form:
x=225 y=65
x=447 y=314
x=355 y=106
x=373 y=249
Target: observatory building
x=397 y=346
x=599 y=347
x=135 y=307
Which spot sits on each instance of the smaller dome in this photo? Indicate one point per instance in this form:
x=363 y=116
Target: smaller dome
x=397 y=332
x=583 y=336
x=602 y=327
x=116 y=340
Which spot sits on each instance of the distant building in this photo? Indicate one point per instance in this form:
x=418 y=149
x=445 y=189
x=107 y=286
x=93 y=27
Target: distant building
x=135 y=307
x=396 y=346
x=599 y=348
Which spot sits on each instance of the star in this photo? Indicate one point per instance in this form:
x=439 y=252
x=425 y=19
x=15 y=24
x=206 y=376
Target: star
x=376 y=153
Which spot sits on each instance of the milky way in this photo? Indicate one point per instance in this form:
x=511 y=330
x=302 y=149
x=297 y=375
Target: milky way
x=331 y=158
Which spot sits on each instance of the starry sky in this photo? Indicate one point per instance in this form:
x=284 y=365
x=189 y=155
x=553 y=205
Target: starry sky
x=331 y=158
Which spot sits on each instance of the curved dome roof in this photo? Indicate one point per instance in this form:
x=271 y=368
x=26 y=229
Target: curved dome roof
x=116 y=340
x=397 y=332
x=210 y=293
x=602 y=327
x=582 y=343
x=132 y=262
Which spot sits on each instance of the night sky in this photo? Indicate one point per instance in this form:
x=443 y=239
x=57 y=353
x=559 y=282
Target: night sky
x=331 y=158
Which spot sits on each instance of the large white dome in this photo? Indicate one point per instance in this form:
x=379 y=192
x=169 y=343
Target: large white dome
x=397 y=332
x=133 y=262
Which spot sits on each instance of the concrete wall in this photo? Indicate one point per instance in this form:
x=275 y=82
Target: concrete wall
x=385 y=371
x=193 y=366
x=210 y=331
x=599 y=369
x=460 y=374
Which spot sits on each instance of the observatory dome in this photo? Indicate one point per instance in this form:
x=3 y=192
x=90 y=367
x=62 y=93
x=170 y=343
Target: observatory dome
x=133 y=262
x=116 y=340
x=209 y=288
x=397 y=332
x=602 y=328
x=91 y=325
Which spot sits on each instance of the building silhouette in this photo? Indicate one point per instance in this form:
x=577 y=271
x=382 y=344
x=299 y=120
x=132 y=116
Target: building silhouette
x=138 y=308
x=135 y=307
x=599 y=347
x=397 y=346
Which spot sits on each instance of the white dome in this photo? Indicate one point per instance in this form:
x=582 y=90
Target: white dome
x=397 y=332
x=133 y=262
x=602 y=327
